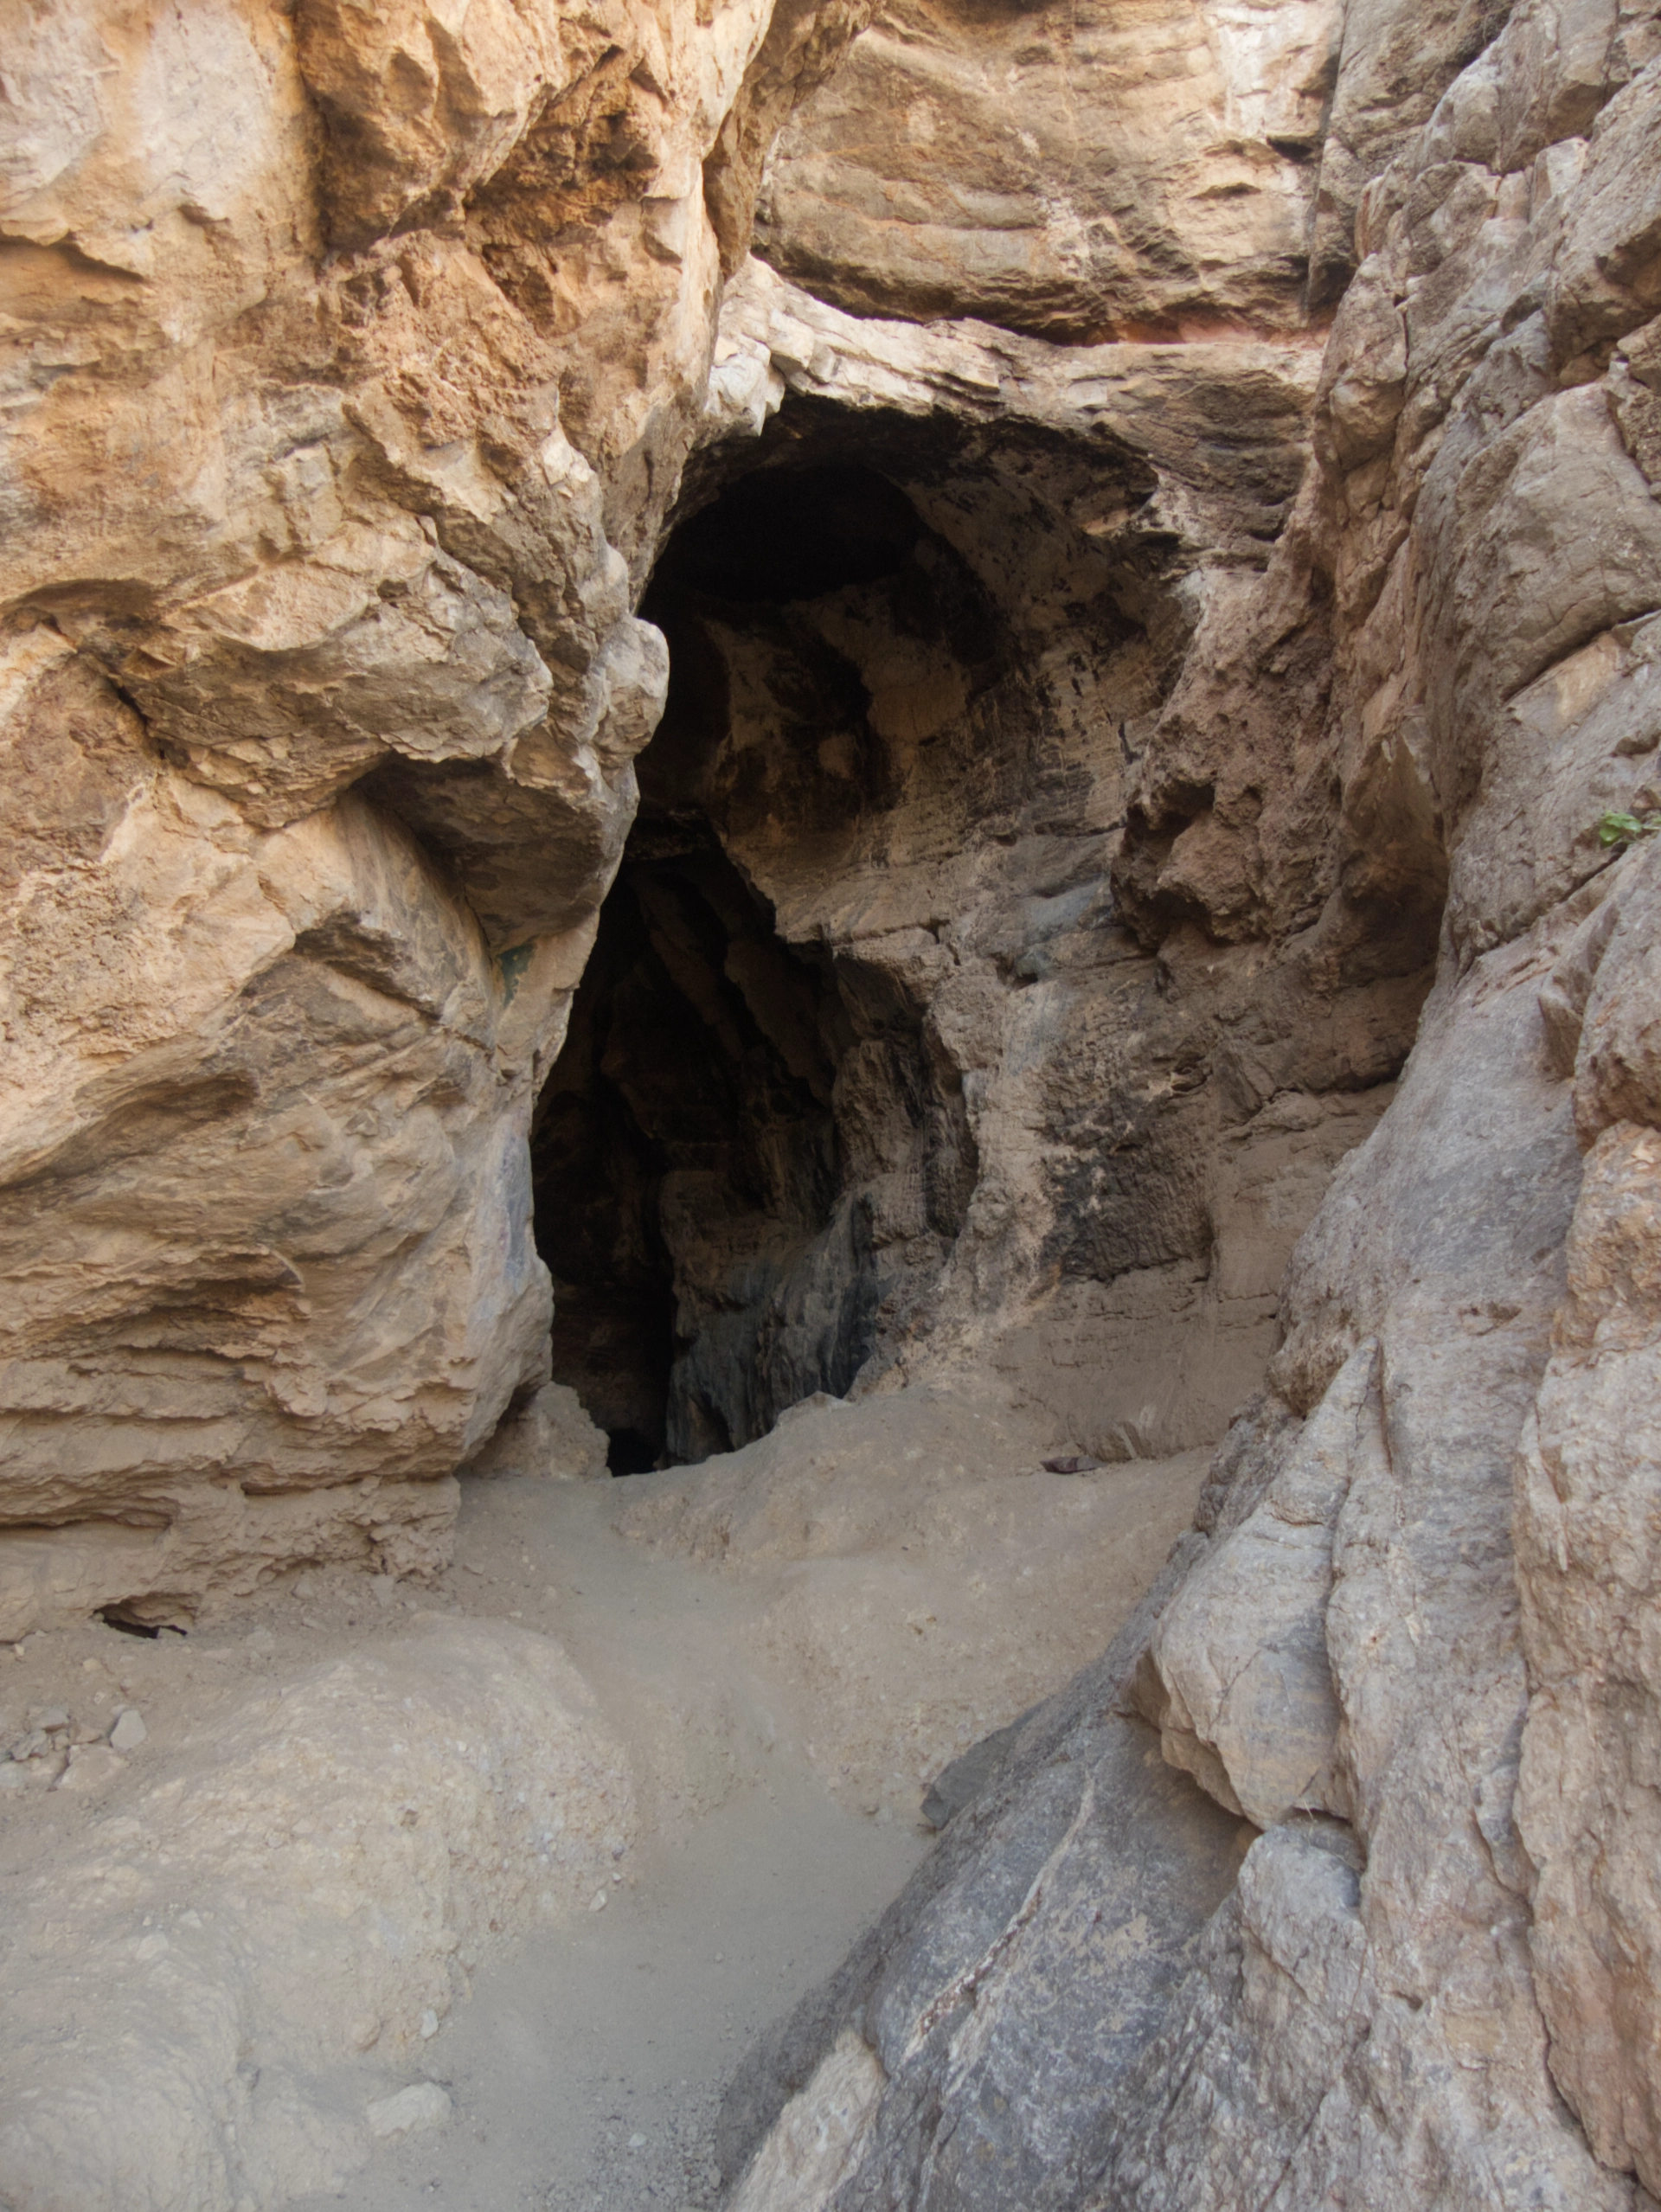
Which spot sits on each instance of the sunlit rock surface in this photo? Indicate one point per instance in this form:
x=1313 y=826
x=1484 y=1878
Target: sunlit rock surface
x=352 y=355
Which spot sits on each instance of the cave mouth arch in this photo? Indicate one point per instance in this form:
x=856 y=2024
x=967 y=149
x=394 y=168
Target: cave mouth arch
x=689 y=1170
x=708 y=1146
x=753 y=1158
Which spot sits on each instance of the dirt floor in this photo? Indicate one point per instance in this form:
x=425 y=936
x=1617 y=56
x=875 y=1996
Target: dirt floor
x=782 y=1647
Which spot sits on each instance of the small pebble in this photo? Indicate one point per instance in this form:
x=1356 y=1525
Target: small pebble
x=91 y=1765
x=637 y=2143
x=597 y=1902
x=429 y=2025
x=129 y=1731
x=423 y=2104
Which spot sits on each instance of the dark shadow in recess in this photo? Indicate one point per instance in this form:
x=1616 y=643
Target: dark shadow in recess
x=699 y=1148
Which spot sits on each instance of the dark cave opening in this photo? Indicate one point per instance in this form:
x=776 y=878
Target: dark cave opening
x=785 y=534
x=712 y=1149
x=688 y=1162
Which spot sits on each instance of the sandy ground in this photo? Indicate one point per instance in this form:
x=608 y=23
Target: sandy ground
x=588 y=2066
x=787 y=1643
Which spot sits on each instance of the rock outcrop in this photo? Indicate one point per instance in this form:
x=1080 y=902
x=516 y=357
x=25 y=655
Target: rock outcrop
x=1081 y=178
x=933 y=611
x=354 y=356
x=1407 y=1641
x=339 y=471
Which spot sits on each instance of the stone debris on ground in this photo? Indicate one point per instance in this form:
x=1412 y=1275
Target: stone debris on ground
x=423 y=2104
x=453 y=1781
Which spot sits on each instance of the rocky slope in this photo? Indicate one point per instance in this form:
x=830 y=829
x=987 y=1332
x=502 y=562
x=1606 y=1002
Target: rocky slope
x=1149 y=584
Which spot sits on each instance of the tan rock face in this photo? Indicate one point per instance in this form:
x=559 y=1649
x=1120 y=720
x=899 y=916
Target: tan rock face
x=1214 y=678
x=359 y=357
x=866 y=933
x=1075 y=174
x=1409 y=1638
x=321 y=690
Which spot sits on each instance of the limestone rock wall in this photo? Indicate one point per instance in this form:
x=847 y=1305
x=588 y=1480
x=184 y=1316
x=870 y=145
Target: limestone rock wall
x=359 y=364
x=1407 y=1644
x=339 y=463
x=1081 y=176
x=931 y=598
x=351 y=356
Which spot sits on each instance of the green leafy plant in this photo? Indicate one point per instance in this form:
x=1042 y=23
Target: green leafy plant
x=1622 y=828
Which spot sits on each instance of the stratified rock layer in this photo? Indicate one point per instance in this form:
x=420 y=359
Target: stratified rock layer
x=360 y=363
x=1130 y=816
x=347 y=350
x=1078 y=175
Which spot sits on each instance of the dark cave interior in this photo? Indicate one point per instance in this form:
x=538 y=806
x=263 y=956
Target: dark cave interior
x=702 y=1147
x=691 y=1111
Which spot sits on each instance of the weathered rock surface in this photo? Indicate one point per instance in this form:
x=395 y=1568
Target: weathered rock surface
x=1079 y=174
x=1408 y=1639
x=960 y=1110
x=337 y=470
x=1001 y=1992
x=1585 y=1506
x=549 y=1435
x=351 y=358
x=1114 y=798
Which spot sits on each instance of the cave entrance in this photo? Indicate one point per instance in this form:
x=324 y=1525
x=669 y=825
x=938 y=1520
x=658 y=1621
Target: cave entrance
x=750 y=1156
x=687 y=1167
